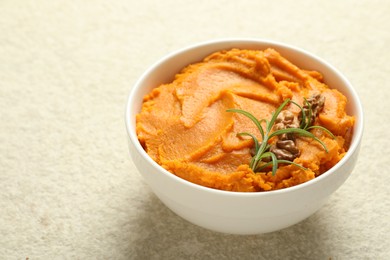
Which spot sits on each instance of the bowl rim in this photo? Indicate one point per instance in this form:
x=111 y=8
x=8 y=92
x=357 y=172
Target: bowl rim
x=354 y=146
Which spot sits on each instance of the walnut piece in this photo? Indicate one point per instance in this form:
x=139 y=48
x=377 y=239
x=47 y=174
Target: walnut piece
x=316 y=102
x=285 y=150
x=286 y=119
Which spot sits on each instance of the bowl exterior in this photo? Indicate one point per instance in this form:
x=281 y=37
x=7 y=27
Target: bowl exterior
x=237 y=212
x=240 y=213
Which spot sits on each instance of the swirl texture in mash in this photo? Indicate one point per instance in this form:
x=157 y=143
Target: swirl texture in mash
x=184 y=126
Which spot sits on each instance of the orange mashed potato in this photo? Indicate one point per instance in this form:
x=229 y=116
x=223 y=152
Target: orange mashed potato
x=185 y=128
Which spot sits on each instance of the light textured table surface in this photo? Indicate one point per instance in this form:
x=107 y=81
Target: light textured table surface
x=68 y=188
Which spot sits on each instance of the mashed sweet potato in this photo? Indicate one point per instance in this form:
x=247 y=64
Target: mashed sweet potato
x=185 y=128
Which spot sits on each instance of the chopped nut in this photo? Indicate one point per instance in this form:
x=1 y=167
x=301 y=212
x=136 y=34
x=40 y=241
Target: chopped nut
x=316 y=102
x=285 y=150
x=286 y=119
x=288 y=145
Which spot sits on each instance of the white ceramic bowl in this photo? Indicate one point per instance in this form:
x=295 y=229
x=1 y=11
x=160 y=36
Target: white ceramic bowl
x=240 y=212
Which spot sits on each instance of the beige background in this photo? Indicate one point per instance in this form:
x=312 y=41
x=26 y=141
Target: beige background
x=68 y=188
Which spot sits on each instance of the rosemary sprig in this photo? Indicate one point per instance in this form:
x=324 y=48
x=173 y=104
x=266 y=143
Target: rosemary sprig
x=261 y=151
x=263 y=157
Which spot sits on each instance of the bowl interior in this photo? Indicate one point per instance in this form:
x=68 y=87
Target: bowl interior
x=165 y=69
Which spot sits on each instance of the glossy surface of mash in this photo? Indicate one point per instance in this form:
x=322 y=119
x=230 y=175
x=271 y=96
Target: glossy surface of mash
x=185 y=128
